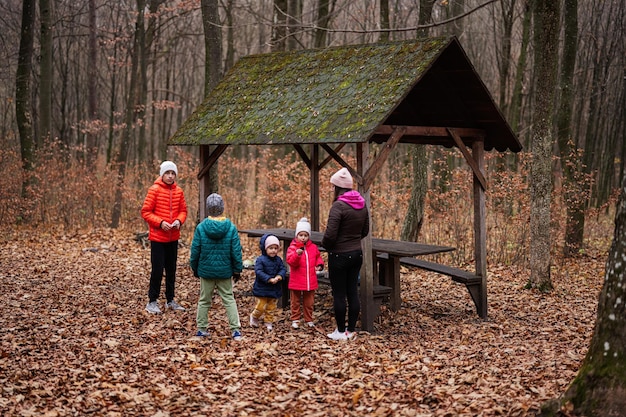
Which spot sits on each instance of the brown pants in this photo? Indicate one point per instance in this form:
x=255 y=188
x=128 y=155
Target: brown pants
x=308 y=298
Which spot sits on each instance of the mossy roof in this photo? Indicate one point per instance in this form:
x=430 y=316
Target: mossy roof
x=337 y=95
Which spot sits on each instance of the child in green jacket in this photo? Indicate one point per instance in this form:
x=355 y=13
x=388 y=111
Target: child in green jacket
x=215 y=258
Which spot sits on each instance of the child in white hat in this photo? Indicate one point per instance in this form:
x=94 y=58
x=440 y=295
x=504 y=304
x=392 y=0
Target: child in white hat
x=304 y=260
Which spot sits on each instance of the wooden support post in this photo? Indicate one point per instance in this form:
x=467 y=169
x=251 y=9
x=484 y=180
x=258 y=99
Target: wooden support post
x=315 y=187
x=480 y=228
x=204 y=184
x=368 y=307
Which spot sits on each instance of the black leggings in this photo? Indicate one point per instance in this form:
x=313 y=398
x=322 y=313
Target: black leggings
x=163 y=256
x=343 y=271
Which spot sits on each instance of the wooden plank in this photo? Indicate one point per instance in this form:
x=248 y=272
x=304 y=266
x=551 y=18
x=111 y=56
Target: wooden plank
x=372 y=171
x=472 y=163
x=458 y=275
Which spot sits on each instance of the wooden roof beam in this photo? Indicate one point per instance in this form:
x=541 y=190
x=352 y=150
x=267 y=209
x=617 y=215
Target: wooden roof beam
x=431 y=131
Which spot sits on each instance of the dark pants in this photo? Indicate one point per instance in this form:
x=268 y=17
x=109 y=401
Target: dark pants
x=343 y=271
x=162 y=256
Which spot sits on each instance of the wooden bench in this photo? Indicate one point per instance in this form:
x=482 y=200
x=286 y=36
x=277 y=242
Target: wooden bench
x=473 y=282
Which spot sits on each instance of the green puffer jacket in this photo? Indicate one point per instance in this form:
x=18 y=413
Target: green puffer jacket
x=216 y=249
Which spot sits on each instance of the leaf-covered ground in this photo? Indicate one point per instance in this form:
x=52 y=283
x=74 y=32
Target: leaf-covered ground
x=75 y=340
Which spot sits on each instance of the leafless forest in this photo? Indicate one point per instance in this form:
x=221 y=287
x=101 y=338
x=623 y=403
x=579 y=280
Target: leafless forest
x=92 y=90
x=106 y=86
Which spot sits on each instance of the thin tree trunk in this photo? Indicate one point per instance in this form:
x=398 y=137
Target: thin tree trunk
x=384 y=20
x=212 y=76
x=130 y=116
x=279 y=28
x=515 y=111
x=419 y=160
x=91 y=150
x=574 y=192
x=45 y=69
x=546 y=31
x=324 y=11
x=23 y=103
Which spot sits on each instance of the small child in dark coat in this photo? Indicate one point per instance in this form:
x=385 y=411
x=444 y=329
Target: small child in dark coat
x=270 y=271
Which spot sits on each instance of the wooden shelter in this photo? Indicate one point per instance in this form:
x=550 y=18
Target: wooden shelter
x=420 y=92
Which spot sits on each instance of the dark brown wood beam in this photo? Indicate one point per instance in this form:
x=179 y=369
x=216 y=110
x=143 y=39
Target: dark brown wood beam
x=211 y=159
x=470 y=160
x=431 y=131
x=388 y=146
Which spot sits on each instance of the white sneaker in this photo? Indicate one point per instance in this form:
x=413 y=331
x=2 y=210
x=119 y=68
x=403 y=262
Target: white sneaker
x=310 y=324
x=174 y=306
x=153 y=308
x=337 y=335
x=254 y=322
x=269 y=327
x=295 y=324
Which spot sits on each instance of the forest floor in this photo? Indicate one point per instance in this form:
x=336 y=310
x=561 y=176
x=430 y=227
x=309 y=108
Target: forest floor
x=75 y=340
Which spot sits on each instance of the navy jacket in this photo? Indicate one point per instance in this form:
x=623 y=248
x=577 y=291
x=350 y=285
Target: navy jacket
x=266 y=268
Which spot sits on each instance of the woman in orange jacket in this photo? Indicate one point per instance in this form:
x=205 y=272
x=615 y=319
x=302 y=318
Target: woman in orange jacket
x=165 y=211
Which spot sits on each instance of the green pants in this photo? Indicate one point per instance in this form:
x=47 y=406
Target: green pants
x=225 y=290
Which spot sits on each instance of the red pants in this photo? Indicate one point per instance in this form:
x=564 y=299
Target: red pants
x=308 y=298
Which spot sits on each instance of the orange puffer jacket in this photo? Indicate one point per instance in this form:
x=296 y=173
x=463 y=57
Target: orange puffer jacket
x=164 y=203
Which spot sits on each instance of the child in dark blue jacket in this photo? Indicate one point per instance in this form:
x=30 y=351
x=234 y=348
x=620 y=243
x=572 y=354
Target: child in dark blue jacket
x=270 y=271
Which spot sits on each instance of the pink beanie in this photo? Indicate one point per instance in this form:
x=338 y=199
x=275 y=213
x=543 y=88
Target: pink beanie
x=342 y=178
x=271 y=240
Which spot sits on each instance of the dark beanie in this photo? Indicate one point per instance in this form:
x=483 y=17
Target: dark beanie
x=214 y=205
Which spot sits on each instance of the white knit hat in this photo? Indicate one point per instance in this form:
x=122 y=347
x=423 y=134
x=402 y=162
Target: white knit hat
x=342 y=178
x=271 y=240
x=168 y=166
x=303 y=225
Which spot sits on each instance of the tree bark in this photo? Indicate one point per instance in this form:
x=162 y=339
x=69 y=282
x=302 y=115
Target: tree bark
x=599 y=389
x=23 y=104
x=45 y=71
x=324 y=11
x=130 y=115
x=546 y=31
x=419 y=160
x=384 y=20
x=212 y=75
x=574 y=192
x=91 y=148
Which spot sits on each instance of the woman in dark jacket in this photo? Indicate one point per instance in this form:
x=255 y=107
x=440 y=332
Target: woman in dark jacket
x=348 y=223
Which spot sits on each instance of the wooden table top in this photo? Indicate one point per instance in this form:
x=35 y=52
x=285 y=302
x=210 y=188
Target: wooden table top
x=388 y=246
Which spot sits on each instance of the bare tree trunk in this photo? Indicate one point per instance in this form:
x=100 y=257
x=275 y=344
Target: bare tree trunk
x=384 y=20
x=546 y=31
x=574 y=193
x=279 y=28
x=419 y=160
x=415 y=213
x=293 y=16
x=122 y=158
x=324 y=11
x=23 y=103
x=212 y=75
x=515 y=111
x=230 y=37
x=45 y=69
x=599 y=389
x=91 y=148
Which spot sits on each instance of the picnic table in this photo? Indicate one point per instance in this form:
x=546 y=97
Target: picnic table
x=388 y=255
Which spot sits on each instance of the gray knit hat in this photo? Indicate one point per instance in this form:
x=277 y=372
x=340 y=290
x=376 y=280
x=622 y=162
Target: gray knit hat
x=214 y=205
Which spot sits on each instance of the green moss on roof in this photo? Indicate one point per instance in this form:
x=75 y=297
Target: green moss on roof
x=328 y=95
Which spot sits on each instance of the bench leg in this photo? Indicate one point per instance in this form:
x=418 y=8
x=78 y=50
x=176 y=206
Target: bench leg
x=479 y=297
